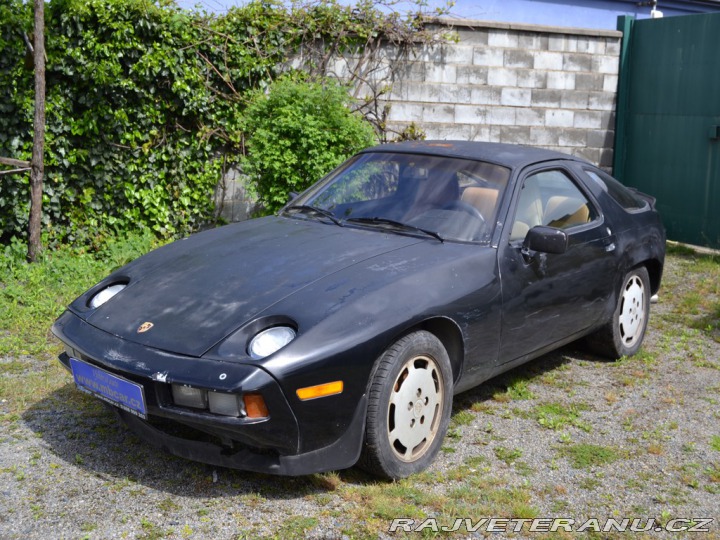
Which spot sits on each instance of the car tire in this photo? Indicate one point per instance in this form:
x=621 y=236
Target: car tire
x=623 y=335
x=404 y=440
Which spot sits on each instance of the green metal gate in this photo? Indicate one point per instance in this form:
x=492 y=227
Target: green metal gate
x=668 y=128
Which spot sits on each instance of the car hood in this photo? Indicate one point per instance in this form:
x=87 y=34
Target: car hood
x=197 y=291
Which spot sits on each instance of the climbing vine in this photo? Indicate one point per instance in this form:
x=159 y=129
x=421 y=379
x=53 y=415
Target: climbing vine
x=148 y=104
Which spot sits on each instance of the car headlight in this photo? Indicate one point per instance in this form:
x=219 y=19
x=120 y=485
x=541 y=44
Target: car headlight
x=269 y=341
x=106 y=294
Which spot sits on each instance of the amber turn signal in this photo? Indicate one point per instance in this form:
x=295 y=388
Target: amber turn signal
x=320 y=390
x=255 y=406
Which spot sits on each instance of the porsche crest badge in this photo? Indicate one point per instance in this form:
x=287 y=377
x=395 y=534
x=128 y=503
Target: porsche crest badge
x=144 y=327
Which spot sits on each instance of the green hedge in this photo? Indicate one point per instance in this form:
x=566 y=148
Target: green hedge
x=146 y=107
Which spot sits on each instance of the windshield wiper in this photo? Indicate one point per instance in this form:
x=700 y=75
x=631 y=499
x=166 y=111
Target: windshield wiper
x=394 y=224
x=309 y=209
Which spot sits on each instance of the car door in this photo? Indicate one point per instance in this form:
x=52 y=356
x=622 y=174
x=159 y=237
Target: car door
x=551 y=298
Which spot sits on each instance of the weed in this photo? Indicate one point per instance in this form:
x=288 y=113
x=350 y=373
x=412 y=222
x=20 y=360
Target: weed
x=297 y=527
x=517 y=389
x=462 y=418
x=583 y=456
x=715 y=442
x=508 y=455
x=556 y=415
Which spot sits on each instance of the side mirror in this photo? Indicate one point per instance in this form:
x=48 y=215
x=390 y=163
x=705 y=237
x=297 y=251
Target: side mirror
x=292 y=196
x=545 y=240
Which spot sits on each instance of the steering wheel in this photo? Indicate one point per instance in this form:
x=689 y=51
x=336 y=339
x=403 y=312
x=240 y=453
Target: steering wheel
x=462 y=206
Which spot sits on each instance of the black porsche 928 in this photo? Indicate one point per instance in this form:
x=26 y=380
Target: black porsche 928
x=337 y=332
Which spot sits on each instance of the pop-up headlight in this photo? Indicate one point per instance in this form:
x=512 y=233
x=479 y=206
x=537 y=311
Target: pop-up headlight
x=270 y=341
x=106 y=294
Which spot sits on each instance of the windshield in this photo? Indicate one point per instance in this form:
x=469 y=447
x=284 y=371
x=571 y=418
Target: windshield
x=456 y=199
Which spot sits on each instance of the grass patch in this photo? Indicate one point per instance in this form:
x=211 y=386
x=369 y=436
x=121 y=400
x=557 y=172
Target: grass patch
x=584 y=456
x=508 y=455
x=32 y=296
x=517 y=389
x=715 y=442
x=555 y=415
x=297 y=527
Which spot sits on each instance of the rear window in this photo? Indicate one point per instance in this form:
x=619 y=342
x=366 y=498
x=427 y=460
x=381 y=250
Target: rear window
x=622 y=195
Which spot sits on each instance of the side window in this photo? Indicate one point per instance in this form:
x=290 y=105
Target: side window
x=550 y=198
x=622 y=195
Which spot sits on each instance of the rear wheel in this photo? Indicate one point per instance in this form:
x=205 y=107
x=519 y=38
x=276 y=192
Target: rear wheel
x=624 y=334
x=409 y=405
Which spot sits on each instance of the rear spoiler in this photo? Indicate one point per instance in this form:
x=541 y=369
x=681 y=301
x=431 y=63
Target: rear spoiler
x=645 y=197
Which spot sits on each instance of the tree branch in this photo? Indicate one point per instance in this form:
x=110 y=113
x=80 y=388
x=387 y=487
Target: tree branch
x=15 y=162
x=13 y=171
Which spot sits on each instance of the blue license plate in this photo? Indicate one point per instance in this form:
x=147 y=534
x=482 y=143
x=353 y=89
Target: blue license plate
x=115 y=390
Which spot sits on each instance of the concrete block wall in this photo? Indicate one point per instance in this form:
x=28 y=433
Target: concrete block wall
x=536 y=85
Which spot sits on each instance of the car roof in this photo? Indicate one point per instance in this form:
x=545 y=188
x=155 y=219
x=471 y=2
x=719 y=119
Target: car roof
x=509 y=155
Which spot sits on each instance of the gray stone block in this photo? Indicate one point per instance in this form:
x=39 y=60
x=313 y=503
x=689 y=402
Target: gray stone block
x=574 y=100
x=516 y=58
x=544 y=136
x=474 y=75
x=503 y=38
x=547 y=60
x=453 y=93
x=405 y=112
x=577 y=62
x=479 y=133
x=457 y=54
x=547 y=98
x=500 y=116
x=484 y=56
x=470 y=114
x=606 y=157
x=528 y=116
x=601 y=101
x=600 y=138
x=533 y=41
x=591 y=154
x=514 y=134
x=610 y=84
x=531 y=78
x=515 y=97
x=605 y=64
x=502 y=77
x=440 y=73
x=590 y=81
x=559 y=118
x=438 y=114
x=561 y=80
x=448 y=132
x=573 y=138
x=608 y=120
x=474 y=36
x=485 y=95
x=588 y=119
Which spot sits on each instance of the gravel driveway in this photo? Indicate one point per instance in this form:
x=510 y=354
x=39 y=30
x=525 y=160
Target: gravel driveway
x=567 y=436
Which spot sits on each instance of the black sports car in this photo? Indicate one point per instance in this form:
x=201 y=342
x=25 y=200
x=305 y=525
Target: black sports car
x=338 y=331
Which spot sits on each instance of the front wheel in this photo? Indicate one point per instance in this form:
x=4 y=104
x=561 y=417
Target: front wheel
x=624 y=334
x=409 y=405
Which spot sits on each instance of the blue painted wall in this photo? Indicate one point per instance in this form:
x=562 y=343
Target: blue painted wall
x=577 y=13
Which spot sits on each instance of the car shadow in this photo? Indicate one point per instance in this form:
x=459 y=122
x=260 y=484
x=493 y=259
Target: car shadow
x=85 y=434
x=492 y=389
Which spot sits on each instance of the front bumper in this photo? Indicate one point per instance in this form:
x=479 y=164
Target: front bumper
x=269 y=445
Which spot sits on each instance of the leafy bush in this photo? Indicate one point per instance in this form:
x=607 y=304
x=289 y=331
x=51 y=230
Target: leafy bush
x=297 y=133
x=146 y=107
x=143 y=108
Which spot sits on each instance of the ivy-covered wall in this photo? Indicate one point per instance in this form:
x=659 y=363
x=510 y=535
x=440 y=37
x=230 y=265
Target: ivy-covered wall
x=146 y=109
